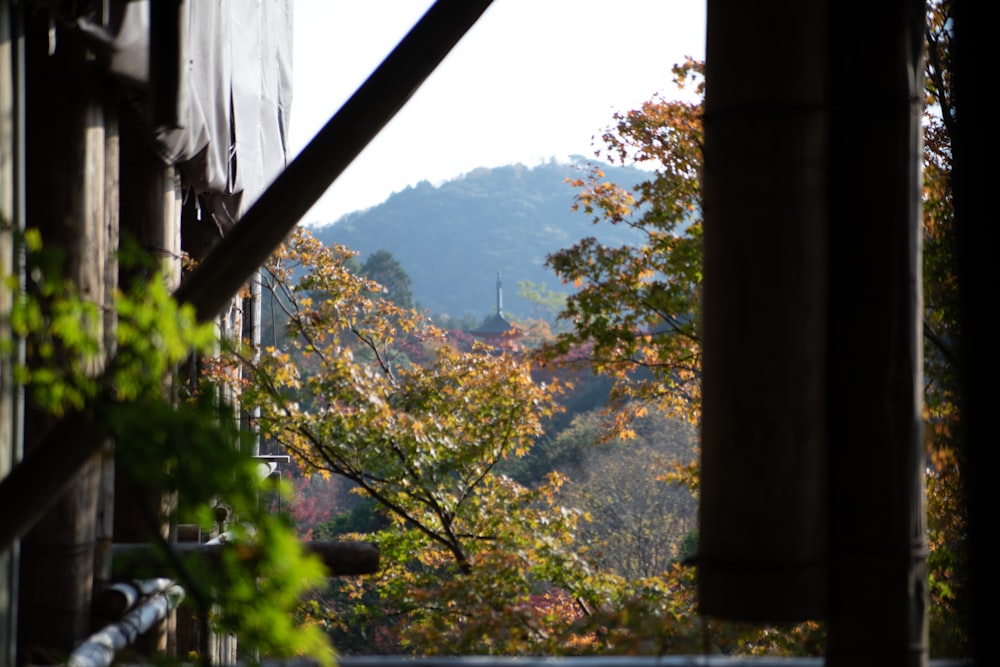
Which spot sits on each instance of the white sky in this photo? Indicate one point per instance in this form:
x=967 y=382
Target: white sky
x=532 y=80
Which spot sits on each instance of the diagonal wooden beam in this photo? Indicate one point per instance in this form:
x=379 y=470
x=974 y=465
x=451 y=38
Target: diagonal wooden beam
x=227 y=267
x=37 y=482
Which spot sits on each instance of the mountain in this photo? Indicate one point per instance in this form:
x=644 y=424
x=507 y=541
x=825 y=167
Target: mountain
x=452 y=239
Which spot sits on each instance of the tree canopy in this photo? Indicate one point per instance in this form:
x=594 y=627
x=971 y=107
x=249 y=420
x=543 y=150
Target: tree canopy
x=947 y=517
x=380 y=397
x=422 y=425
x=383 y=268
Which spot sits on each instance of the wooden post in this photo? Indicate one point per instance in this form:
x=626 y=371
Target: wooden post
x=819 y=167
x=106 y=497
x=11 y=221
x=878 y=541
x=151 y=215
x=65 y=166
x=762 y=511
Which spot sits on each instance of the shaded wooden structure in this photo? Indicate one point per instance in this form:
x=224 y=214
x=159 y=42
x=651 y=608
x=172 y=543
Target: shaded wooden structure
x=155 y=122
x=828 y=302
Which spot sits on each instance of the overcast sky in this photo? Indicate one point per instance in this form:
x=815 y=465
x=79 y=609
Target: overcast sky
x=532 y=80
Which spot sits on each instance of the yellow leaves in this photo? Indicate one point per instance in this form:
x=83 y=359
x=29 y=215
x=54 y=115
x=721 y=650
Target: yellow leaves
x=32 y=239
x=555 y=480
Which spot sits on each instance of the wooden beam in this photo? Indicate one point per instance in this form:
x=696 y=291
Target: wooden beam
x=341 y=559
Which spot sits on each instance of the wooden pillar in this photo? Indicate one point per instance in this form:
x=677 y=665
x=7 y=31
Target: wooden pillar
x=66 y=171
x=878 y=542
x=11 y=221
x=150 y=216
x=106 y=494
x=812 y=450
x=762 y=508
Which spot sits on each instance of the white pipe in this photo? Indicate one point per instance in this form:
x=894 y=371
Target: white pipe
x=227 y=536
x=117 y=599
x=100 y=648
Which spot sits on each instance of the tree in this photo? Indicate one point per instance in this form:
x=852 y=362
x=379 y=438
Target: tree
x=380 y=398
x=544 y=301
x=420 y=439
x=947 y=518
x=471 y=561
x=315 y=502
x=638 y=517
x=383 y=268
x=564 y=450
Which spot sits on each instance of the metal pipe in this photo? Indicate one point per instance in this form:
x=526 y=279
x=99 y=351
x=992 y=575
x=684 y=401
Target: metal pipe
x=100 y=648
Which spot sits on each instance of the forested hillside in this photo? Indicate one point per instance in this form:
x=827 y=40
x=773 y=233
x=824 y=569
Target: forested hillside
x=453 y=238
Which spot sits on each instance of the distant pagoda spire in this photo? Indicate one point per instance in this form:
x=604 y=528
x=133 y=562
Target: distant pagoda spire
x=499 y=296
x=496 y=326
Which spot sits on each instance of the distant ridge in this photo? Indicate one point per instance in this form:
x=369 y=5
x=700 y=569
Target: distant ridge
x=453 y=238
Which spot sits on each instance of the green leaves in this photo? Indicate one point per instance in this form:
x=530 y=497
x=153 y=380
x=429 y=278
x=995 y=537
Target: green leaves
x=65 y=336
x=118 y=378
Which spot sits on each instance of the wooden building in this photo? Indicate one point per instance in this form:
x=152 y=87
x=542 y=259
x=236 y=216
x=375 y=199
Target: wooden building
x=156 y=122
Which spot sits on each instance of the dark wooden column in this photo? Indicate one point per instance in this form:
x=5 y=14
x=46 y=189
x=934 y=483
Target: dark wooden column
x=11 y=220
x=878 y=584
x=812 y=450
x=66 y=190
x=762 y=534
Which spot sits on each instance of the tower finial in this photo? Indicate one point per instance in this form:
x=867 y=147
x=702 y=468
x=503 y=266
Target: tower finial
x=499 y=295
